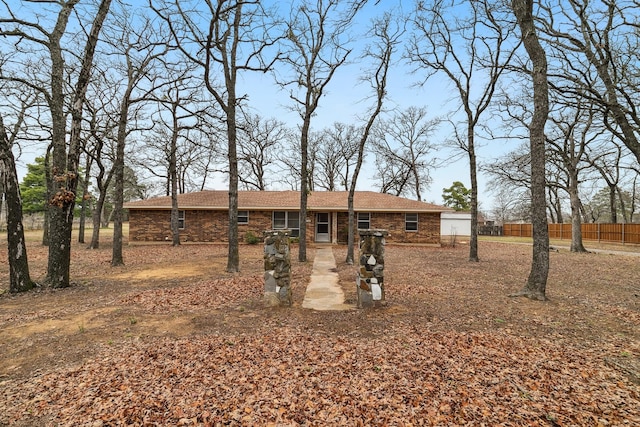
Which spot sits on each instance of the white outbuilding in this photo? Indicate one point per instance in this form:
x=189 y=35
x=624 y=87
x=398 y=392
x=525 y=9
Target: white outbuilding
x=455 y=225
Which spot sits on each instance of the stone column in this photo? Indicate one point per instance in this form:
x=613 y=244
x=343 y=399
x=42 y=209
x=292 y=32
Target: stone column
x=370 y=280
x=277 y=268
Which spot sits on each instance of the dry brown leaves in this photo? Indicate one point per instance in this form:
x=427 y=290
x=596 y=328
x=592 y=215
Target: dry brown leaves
x=450 y=348
x=210 y=294
x=290 y=377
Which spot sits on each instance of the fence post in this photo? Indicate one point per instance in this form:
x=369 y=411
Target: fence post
x=598 y=232
x=623 y=233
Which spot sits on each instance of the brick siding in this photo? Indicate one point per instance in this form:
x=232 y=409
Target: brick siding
x=428 y=227
x=199 y=225
x=148 y=225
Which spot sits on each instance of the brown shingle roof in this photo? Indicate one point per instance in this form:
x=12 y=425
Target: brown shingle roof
x=290 y=200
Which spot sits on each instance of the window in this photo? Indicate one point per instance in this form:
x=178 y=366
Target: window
x=181 y=220
x=364 y=220
x=279 y=220
x=293 y=223
x=243 y=217
x=411 y=222
x=287 y=220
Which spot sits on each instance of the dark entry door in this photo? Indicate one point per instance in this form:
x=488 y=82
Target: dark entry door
x=323 y=227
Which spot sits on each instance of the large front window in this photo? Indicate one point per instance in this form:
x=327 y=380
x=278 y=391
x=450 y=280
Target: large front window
x=287 y=220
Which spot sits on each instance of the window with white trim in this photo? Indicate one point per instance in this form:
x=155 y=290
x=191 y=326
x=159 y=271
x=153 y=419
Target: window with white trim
x=181 y=220
x=287 y=220
x=411 y=222
x=364 y=220
x=243 y=217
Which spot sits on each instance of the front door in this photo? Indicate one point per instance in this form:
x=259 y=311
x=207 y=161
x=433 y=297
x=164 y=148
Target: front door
x=323 y=227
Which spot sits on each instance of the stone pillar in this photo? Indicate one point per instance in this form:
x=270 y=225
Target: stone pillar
x=370 y=280
x=277 y=268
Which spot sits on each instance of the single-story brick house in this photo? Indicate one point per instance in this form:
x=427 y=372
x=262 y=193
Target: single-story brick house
x=204 y=216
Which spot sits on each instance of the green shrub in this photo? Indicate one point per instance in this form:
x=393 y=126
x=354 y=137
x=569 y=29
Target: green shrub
x=251 y=238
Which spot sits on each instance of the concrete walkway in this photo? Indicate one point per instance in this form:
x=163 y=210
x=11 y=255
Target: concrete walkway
x=323 y=291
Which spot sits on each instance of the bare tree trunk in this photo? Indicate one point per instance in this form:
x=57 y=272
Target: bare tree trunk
x=304 y=188
x=557 y=205
x=19 y=277
x=59 y=227
x=576 y=222
x=473 y=169
x=416 y=184
x=3 y=203
x=65 y=165
x=173 y=179
x=95 y=232
x=623 y=205
x=85 y=200
x=98 y=210
x=535 y=288
x=233 y=255
x=49 y=184
x=632 y=208
x=118 y=202
x=551 y=212
x=612 y=204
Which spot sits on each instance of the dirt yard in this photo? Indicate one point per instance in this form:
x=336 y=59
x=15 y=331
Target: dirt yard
x=171 y=339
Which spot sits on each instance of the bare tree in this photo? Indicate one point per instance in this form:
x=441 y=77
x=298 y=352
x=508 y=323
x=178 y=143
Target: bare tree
x=140 y=46
x=607 y=161
x=198 y=161
x=403 y=145
x=472 y=51
x=259 y=142
x=86 y=195
x=386 y=34
x=335 y=156
x=289 y=173
x=179 y=114
x=571 y=135
x=316 y=48
x=65 y=154
x=197 y=157
x=535 y=288
x=236 y=37
x=508 y=204
x=512 y=170
x=569 y=143
x=594 y=44
x=100 y=144
x=19 y=276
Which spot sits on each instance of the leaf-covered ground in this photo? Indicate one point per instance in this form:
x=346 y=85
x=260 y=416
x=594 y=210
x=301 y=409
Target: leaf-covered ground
x=171 y=339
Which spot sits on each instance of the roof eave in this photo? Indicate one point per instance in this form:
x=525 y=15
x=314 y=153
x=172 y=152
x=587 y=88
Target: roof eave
x=285 y=208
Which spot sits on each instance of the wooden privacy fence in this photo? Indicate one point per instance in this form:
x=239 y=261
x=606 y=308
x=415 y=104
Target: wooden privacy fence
x=617 y=233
